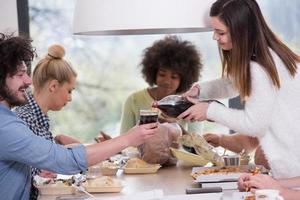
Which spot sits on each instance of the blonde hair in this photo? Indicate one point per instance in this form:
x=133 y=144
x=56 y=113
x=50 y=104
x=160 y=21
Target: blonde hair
x=52 y=67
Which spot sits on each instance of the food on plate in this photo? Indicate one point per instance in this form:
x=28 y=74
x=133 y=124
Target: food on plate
x=225 y=170
x=104 y=184
x=53 y=186
x=103 y=181
x=108 y=164
x=109 y=168
x=252 y=197
x=138 y=166
x=41 y=181
x=138 y=163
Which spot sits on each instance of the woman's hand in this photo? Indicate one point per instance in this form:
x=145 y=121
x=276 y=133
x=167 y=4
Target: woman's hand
x=197 y=112
x=140 y=133
x=194 y=91
x=213 y=139
x=242 y=182
x=258 y=181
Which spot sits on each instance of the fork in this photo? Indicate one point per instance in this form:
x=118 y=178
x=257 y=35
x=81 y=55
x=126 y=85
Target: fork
x=82 y=189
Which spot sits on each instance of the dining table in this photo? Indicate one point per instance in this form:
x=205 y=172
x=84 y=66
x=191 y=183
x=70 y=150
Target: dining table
x=172 y=181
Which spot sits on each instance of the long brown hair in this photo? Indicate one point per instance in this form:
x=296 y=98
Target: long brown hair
x=251 y=39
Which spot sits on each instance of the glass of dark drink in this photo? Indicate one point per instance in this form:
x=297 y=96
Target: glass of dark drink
x=148 y=116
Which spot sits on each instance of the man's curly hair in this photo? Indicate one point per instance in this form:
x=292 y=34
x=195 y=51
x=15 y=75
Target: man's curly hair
x=174 y=54
x=13 y=50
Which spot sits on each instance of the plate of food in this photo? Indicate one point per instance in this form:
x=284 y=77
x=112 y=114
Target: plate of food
x=224 y=174
x=193 y=159
x=55 y=189
x=109 y=168
x=138 y=166
x=54 y=186
x=103 y=184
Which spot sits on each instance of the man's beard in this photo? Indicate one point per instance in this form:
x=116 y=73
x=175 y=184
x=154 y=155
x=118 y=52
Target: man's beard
x=12 y=98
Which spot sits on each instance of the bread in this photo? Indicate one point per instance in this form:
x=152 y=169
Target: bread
x=110 y=165
x=103 y=181
x=137 y=163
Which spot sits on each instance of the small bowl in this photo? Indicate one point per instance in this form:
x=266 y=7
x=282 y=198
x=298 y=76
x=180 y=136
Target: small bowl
x=232 y=160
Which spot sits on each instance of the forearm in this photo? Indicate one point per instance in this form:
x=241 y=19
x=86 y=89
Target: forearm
x=291 y=182
x=290 y=194
x=260 y=159
x=64 y=140
x=100 y=151
x=250 y=120
x=217 y=89
x=238 y=142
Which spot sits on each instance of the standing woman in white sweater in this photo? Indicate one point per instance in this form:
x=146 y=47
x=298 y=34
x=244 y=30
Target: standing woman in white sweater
x=261 y=69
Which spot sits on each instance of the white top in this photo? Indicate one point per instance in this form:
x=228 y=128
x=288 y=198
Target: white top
x=271 y=115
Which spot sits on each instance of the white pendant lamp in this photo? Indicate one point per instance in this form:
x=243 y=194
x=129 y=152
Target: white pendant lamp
x=134 y=17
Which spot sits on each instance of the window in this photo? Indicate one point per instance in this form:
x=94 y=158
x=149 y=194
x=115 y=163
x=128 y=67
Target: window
x=108 y=66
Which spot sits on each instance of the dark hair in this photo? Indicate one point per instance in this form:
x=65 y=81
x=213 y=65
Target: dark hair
x=13 y=50
x=174 y=54
x=251 y=39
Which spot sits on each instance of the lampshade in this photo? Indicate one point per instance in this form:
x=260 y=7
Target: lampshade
x=133 y=17
x=8 y=17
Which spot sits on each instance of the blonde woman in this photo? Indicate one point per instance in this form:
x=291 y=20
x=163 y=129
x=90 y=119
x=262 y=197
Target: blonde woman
x=53 y=80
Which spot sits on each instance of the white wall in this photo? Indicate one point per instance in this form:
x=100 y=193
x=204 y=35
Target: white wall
x=8 y=16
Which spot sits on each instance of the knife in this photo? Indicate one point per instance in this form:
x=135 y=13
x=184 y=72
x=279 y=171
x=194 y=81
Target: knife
x=203 y=190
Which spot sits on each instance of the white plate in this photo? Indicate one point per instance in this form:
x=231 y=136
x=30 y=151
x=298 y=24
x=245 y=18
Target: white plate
x=223 y=177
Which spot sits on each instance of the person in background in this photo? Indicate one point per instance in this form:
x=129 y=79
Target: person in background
x=237 y=143
x=261 y=69
x=286 y=187
x=20 y=148
x=53 y=80
x=169 y=66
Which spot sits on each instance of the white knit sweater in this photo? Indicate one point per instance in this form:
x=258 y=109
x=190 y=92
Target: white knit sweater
x=271 y=115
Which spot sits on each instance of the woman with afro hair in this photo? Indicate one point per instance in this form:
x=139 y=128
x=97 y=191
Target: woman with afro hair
x=169 y=66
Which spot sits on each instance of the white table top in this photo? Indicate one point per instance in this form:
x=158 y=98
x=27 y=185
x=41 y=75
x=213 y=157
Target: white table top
x=171 y=180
